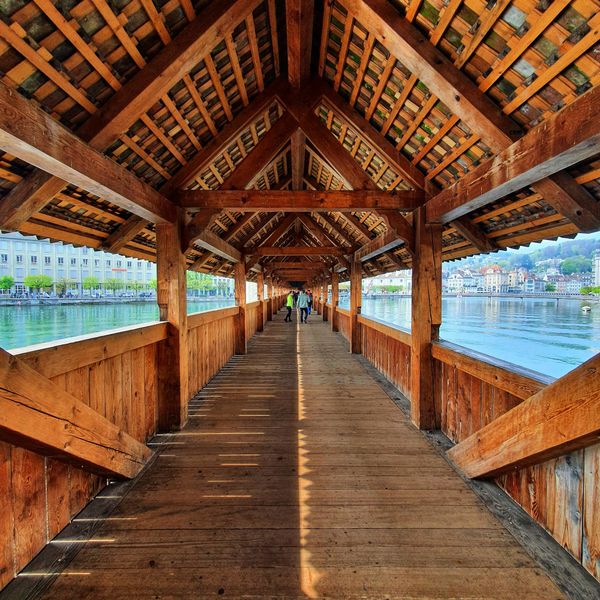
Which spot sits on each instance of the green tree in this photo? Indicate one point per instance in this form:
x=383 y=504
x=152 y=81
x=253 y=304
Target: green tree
x=38 y=282
x=6 y=282
x=136 y=286
x=90 y=283
x=576 y=264
x=550 y=287
x=152 y=284
x=63 y=284
x=113 y=284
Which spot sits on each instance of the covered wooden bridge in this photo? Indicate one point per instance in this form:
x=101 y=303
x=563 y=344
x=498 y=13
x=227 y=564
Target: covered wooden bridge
x=296 y=143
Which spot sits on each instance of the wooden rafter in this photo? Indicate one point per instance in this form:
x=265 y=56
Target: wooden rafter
x=299 y=16
x=303 y=201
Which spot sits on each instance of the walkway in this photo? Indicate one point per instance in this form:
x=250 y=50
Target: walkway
x=298 y=477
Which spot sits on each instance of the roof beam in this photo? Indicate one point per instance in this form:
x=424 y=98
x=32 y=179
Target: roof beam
x=562 y=417
x=166 y=69
x=374 y=138
x=124 y=234
x=213 y=243
x=473 y=234
x=282 y=228
x=32 y=135
x=379 y=245
x=435 y=70
x=302 y=201
x=565 y=138
x=299 y=15
x=130 y=101
x=39 y=415
x=317 y=231
x=185 y=176
x=298 y=251
x=200 y=223
x=262 y=154
x=400 y=226
x=298 y=143
x=458 y=93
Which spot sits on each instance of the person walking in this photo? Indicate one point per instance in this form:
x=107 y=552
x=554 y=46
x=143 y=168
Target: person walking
x=303 y=305
x=310 y=304
x=289 y=304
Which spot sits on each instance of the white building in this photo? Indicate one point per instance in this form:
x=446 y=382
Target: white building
x=21 y=256
x=400 y=279
x=596 y=268
x=495 y=280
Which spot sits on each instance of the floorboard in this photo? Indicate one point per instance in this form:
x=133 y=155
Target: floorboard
x=297 y=477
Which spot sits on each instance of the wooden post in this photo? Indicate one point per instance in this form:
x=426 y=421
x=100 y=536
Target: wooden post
x=323 y=295
x=269 y=298
x=426 y=318
x=355 y=305
x=240 y=301
x=173 y=352
x=335 y=292
x=260 y=292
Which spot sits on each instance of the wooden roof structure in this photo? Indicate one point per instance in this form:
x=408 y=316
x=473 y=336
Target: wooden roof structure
x=299 y=132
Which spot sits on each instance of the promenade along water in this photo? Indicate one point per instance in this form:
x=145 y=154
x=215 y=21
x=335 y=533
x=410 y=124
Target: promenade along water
x=540 y=334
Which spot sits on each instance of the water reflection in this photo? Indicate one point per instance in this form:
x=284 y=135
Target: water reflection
x=540 y=334
x=24 y=325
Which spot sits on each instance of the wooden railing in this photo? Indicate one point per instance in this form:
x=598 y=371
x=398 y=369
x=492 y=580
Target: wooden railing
x=344 y=322
x=471 y=390
x=114 y=373
x=211 y=343
x=388 y=350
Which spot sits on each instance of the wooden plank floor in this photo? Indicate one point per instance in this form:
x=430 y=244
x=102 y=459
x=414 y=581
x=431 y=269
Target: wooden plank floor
x=298 y=477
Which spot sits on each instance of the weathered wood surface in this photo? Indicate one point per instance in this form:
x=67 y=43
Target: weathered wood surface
x=388 y=350
x=278 y=487
x=115 y=375
x=561 y=494
x=564 y=416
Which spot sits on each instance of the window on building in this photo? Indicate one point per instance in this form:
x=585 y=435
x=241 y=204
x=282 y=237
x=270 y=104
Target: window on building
x=4 y=258
x=47 y=260
x=61 y=260
x=84 y=251
x=96 y=262
x=108 y=263
x=84 y=261
x=73 y=262
x=119 y=263
x=129 y=263
x=19 y=258
x=33 y=260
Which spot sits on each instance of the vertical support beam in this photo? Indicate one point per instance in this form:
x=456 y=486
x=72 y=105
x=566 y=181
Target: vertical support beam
x=260 y=292
x=173 y=352
x=335 y=294
x=323 y=299
x=239 y=273
x=269 y=298
x=355 y=305
x=426 y=318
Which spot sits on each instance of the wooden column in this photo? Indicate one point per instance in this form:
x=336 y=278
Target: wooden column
x=240 y=301
x=260 y=292
x=355 y=305
x=426 y=318
x=269 y=298
x=323 y=296
x=173 y=352
x=335 y=293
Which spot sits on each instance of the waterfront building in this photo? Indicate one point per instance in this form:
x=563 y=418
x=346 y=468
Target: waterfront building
x=22 y=255
x=533 y=285
x=596 y=268
x=495 y=280
x=399 y=279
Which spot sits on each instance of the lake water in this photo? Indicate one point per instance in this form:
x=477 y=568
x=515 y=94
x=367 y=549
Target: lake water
x=24 y=325
x=543 y=335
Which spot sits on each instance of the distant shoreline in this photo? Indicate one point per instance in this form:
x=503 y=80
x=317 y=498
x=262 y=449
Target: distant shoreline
x=95 y=301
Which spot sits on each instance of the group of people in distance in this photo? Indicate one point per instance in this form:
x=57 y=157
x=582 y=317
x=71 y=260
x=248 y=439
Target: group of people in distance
x=300 y=300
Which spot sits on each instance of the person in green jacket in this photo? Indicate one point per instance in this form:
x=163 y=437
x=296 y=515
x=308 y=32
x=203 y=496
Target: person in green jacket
x=289 y=304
